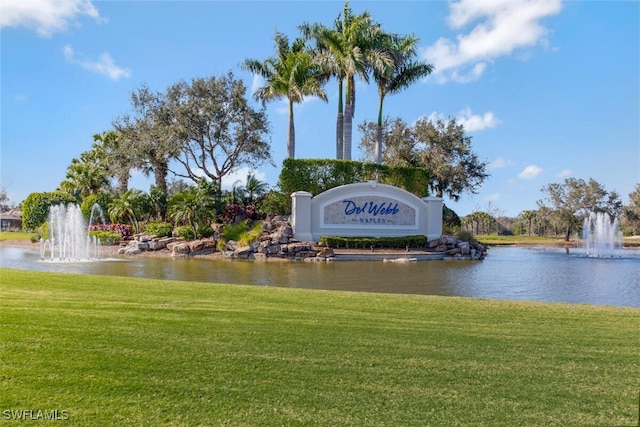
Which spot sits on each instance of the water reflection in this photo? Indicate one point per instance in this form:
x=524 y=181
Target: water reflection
x=533 y=274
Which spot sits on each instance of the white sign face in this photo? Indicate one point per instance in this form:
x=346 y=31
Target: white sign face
x=369 y=211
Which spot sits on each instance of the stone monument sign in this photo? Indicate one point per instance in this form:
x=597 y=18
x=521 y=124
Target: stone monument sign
x=365 y=209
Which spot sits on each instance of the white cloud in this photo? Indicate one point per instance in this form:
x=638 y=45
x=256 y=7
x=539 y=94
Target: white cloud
x=565 y=173
x=530 y=172
x=45 y=16
x=473 y=122
x=104 y=65
x=241 y=175
x=501 y=27
x=493 y=197
x=498 y=163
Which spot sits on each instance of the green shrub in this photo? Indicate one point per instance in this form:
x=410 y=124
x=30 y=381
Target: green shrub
x=159 y=229
x=368 y=242
x=464 y=235
x=275 y=203
x=102 y=199
x=107 y=238
x=241 y=232
x=205 y=231
x=185 y=232
x=319 y=175
x=35 y=208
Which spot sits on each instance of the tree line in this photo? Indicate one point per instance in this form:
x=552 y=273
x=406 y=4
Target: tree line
x=562 y=211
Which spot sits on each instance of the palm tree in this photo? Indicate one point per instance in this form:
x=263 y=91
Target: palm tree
x=127 y=207
x=119 y=161
x=398 y=76
x=330 y=54
x=350 y=49
x=254 y=187
x=183 y=208
x=293 y=74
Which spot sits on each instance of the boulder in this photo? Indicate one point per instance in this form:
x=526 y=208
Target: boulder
x=464 y=247
x=180 y=249
x=242 y=252
x=326 y=253
x=140 y=245
x=196 y=245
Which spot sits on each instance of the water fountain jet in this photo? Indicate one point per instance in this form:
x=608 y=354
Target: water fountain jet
x=601 y=236
x=68 y=236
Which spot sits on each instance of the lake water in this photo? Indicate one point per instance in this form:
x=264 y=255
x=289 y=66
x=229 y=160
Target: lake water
x=513 y=273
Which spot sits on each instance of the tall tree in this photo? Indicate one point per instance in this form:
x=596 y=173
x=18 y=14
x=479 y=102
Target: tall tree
x=395 y=77
x=351 y=48
x=216 y=128
x=441 y=147
x=631 y=212
x=147 y=135
x=572 y=200
x=119 y=161
x=87 y=174
x=293 y=74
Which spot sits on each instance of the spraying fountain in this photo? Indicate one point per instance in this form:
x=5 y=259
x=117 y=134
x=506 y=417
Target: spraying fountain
x=601 y=236
x=68 y=237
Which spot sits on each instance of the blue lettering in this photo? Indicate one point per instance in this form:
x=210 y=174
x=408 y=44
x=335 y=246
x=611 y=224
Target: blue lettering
x=370 y=208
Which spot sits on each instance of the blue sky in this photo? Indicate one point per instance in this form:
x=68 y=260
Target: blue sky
x=547 y=89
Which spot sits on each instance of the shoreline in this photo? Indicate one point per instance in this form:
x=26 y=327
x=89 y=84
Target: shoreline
x=340 y=254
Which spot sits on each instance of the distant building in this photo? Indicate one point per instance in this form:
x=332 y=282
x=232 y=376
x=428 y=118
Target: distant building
x=11 y=220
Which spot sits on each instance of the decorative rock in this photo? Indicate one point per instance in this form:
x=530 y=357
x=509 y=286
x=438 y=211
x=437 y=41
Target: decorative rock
x=181 y=249
x=464 y=248
x=287 y=231
x=242 y=252
x=196 y=245
x=140 y=245
x=273 y=249
x=453 y=251
x=326 y=253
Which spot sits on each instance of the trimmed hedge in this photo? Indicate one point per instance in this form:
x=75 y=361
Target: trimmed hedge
x=35 y=208
x=368 y=242
x=319 y=175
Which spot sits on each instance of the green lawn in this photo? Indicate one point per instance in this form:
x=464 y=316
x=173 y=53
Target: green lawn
x=15 y=235
x=122 y=351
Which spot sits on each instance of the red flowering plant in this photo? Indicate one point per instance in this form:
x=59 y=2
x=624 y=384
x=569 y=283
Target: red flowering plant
x=123 y=229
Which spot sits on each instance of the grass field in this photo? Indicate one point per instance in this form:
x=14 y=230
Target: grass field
x=496 y=240
x=15 y=235
x=123 y=351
